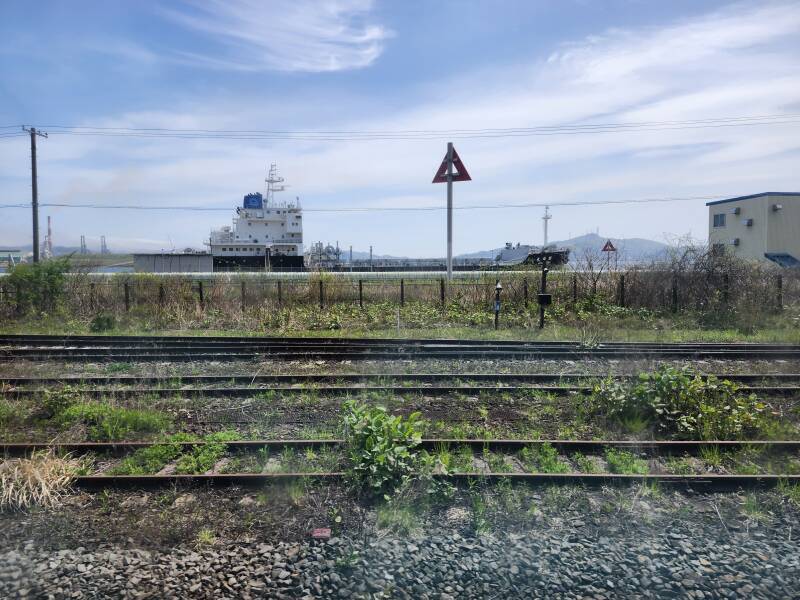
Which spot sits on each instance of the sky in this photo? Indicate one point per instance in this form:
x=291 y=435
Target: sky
x=386 y=67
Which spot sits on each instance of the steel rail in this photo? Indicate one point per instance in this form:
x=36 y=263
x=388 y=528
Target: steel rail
x=158 y=355
x=328 y=341
x=654 y=447
x=363 y=377
x=700 y=483
x=441 y=390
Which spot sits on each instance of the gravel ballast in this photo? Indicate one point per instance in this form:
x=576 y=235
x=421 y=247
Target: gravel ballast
x=686 y=563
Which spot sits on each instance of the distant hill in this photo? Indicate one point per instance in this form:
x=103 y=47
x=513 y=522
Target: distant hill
x=630 y=249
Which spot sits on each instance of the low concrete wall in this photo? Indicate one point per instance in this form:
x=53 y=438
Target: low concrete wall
x=172 y=263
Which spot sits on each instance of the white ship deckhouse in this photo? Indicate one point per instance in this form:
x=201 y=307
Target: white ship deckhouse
x=265 y=234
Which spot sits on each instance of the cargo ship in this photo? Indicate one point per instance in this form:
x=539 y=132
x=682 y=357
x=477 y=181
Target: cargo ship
x=266 y=233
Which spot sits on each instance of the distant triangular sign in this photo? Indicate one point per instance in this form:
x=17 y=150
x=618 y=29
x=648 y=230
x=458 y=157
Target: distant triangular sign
x=459 y=170
x=609 y=247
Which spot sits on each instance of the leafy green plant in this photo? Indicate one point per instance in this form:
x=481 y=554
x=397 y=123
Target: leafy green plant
x=682 y=403
x=381 y=446
x=625 y=463
x=584 y=463
x=56 y=401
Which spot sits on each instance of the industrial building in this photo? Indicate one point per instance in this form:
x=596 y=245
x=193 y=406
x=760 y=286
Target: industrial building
x=183 y=262
x=764 y=227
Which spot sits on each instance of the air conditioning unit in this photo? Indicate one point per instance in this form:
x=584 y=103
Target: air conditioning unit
x=777 y=207
x=735 y=242
x=737 y=210
x=747 y=222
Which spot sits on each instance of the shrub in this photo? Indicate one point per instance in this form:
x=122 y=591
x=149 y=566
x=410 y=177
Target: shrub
x=58 y=400
x=381 y=446
x=680 y=402
x=39 y=286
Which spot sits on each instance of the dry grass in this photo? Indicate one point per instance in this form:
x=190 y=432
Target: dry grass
x=41 y=480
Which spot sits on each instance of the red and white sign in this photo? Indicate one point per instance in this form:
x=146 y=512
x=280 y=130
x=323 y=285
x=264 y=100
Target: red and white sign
x=609 y=247
x=459 y=170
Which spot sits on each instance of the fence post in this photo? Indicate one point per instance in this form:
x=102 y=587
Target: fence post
x=91 y=296
x=402 y=293
x=280 y=294
x=779 y=297
x=674 y=293
x=161 y=294
x=622 y=290
x=18 y=297
x=574 y=289
x=244 y=292
x=360 y=294
x=127 y=290
x=321 y=295
x=525 y=292
x=200 y=294
x=441 y=290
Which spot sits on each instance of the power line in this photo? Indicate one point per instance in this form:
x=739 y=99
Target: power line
x=382 y=208
x=424 y=134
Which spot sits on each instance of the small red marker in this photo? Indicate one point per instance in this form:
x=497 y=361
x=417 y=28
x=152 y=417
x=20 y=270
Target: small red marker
x=321 y=533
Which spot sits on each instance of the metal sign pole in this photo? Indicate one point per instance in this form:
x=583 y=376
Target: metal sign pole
x=449 y=211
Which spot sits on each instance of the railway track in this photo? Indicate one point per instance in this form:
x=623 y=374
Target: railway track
x=361 y=378
x=441 y=390
x=704 y=482
x=139 y=348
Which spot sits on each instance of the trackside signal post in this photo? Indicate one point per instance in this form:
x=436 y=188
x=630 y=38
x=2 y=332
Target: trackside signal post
x=446 y=174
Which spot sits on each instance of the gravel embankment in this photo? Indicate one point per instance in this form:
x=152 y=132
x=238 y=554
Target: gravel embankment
x=690 y=563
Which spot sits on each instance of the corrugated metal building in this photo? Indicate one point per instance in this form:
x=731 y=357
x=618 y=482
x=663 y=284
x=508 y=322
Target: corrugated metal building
x=173 y=263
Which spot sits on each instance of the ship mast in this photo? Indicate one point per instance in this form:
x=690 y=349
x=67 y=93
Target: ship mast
x=274 y=184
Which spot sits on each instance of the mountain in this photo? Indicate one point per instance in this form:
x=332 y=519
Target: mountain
x=630 y=249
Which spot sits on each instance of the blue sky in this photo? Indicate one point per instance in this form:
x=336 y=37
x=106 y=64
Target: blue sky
x=384 y=66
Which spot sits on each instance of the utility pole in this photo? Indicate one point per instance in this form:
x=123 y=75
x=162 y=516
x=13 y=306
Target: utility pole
x=34 y=190
x=547 y=216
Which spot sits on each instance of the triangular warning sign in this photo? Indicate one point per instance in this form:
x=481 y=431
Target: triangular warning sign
x=459 y=170
x=609 y=247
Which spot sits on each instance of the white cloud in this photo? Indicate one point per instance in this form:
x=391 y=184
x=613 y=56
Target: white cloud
x=284 y=35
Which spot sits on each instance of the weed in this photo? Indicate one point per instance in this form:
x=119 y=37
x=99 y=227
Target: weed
x=789 y=491
x=296 y=490
x=753 y=509
x=497 y=462
x=480 y=522
x=711 y=455
x=624 y=462
x=111 y=423
x=398 y=516
x=679 y=466
x=41 y=480
x=203 y=458
x=102 y=322
x=152 y=459
x=585 y=464
x=7 y=413
x=381 y=445
x=205 y=537
x=56 y=401
x=542 y=458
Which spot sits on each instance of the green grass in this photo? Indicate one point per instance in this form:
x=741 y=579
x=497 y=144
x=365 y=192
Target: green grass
x=585 y=464
x=108 y=423
x=679 y=466
x=542 y=458
x=7 y=413
x=625 y=463
x=203 y=458
x=152 y=459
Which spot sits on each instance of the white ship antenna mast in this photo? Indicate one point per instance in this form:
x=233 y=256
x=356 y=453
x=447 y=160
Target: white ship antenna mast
x=274 y=184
